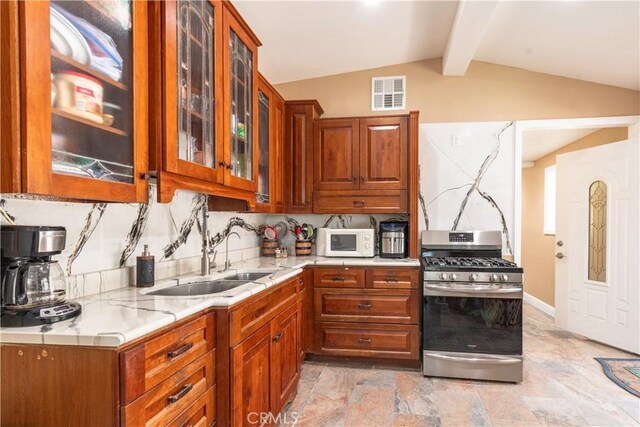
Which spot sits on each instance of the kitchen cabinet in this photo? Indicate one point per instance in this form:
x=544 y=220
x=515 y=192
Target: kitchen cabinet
x=78 y=127
x=166 y=378
x=383 y=153
x=270 y=194
x=240 y=60
x=204 y=105
x=366 y=312
x=336 y=155
x=264 y=335
x=251 y=377
x=360 y=165
x=299 y=119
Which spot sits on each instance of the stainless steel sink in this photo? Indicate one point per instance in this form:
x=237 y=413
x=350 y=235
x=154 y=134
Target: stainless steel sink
x=250 y=276
x=200 y=288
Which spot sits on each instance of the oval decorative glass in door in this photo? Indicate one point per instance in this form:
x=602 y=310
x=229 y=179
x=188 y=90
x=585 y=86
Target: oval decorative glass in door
x=241 y=81
x=196 y=130
x=598 y=231
x=91 y=89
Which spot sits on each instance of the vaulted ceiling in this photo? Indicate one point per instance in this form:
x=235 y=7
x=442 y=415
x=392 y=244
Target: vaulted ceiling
x=597 y=41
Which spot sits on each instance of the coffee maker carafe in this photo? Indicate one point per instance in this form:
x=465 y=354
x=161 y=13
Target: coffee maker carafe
x=33 y=285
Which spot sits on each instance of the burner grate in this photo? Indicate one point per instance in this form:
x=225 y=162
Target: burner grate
x=481 y=262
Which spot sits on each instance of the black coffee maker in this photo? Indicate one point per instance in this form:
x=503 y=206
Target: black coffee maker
x=33 y=285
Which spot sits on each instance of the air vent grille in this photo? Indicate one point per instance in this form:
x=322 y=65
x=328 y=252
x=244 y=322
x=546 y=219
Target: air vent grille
x=388 y=93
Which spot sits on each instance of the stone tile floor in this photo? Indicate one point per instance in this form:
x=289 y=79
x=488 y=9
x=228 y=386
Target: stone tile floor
x=563 y=386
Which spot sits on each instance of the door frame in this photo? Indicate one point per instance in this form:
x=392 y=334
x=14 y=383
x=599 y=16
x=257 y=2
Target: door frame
x=632 y=122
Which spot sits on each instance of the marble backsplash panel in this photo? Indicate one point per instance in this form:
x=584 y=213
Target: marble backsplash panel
x=104 y=239
x=467 y=177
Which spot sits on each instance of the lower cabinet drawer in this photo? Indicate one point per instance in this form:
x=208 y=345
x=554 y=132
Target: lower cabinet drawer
x=381 y=341
x=363 y=201
x=393 y=278
x=170 y=398
x=373 y=306
x=201 y=413
x=148 y=364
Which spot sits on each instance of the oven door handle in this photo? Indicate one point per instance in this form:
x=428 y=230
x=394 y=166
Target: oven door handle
x=495 y=360
x=475 y=290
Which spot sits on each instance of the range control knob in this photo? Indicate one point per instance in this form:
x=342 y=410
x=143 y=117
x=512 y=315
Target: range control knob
x=444 y=276
x=504 y=277
x=367 y=245
x=493 y=277
x=454 y=276
x=473 y=277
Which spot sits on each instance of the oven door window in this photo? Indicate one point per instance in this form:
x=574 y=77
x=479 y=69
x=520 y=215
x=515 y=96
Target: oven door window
x=343 y=242
x=473 y=325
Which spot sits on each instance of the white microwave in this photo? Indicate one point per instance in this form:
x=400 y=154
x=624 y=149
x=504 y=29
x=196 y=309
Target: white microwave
x=347 y=242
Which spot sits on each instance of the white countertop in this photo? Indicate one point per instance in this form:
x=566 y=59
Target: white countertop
x=113 y=318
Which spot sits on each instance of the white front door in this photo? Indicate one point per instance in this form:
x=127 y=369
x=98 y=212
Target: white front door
x=597 y=244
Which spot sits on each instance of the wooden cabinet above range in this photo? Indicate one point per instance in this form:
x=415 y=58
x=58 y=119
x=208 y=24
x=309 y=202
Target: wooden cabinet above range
x=361 y=165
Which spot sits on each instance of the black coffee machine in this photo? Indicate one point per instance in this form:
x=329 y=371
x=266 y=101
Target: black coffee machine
x=33 y=285
x=394 y=239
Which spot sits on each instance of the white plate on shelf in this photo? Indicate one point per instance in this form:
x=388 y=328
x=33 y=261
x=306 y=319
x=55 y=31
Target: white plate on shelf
x=63 y=31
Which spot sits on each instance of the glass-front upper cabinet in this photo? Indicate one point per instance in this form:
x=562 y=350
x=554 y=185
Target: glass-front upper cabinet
x=241 y=98
x=188 y=141
x=83 y=100
x=269 y=197
x=263 y=193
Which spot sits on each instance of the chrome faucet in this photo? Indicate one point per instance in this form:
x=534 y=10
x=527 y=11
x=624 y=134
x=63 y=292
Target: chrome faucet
x=206 y=263
x=227 y=263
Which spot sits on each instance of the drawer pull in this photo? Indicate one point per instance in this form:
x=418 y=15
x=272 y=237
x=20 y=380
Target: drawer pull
x=179 y=395
x=338 y=279
x=364 y=340
x=358 y=203
x=364 y=305
x=392 y=280
x=277 y=337
x=182 y=349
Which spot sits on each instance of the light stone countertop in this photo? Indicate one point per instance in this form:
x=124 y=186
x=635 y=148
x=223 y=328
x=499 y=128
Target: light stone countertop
x=113 y=318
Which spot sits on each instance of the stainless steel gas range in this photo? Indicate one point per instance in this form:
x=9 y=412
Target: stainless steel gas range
x=472 y=305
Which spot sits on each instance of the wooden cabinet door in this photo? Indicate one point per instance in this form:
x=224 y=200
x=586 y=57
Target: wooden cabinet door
x=270 y=194
x=188 y=81
x=277 y=172
x=250 y=378
x=285 y=357
x=383 y=153
x=240 y=63
x=298 y=135
x=84 y=124
x=336 y=154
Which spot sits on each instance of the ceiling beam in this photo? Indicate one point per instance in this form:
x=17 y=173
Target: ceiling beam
x=471 y=22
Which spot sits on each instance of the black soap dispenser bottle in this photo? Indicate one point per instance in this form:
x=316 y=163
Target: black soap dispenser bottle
x=145 y=269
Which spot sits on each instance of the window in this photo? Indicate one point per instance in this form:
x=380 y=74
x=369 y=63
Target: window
x=598 y=232
x=388 y=93
x=550 y=200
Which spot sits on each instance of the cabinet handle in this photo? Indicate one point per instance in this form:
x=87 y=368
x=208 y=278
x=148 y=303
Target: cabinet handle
x=223 y=164
x=392 y=280
x=364 y=305
x=230 y=167
x=358 y=203
x=307 y=202
x=337 y=279
x=277 y=337
x=183 y=349
x=179 y=395
x=364 y=340
x=361 y=178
